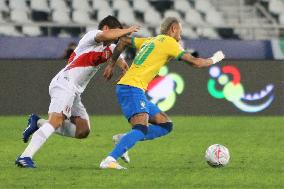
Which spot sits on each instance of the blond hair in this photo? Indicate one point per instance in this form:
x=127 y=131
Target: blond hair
x=167 y=23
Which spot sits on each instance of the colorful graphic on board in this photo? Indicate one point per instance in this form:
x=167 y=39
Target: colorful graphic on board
x=164 y=88
x=228 y=81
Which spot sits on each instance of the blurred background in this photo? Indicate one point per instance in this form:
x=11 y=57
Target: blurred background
x=37 y=35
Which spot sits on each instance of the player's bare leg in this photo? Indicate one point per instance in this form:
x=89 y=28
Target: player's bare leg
x=82 y=127
x=161 y=117
x=55 y=120
x=75 y=127
x=141 y=118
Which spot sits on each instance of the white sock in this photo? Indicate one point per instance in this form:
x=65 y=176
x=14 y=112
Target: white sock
x=38 y=139
x=41 y=122
x=67 y=129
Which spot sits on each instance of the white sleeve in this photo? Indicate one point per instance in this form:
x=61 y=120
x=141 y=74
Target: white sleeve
x=89 y=38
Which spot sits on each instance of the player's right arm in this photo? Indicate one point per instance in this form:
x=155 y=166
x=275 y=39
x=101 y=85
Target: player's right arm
x=114 y=34
x=176 y=51
x=202 y=62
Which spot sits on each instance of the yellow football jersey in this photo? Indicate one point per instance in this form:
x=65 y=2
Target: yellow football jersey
x=153 y=53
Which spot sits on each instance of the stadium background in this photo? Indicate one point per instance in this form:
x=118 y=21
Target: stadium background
x=36 y=36
x=27 y=89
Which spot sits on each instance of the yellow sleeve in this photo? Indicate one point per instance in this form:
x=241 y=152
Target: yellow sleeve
x=137 y=42
x=174 y=49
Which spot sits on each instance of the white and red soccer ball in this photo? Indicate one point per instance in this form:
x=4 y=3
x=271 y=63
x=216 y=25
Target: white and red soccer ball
x=217 y=155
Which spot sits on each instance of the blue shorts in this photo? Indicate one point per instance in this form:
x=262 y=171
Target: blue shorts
x=133 y=100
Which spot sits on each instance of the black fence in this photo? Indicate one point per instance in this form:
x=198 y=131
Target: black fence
x=229 y=88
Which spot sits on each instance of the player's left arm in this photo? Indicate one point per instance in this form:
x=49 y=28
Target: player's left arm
x=202 y=62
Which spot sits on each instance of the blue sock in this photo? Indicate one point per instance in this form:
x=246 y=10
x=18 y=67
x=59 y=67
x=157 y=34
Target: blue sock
x=155 y=131
x=137 y=133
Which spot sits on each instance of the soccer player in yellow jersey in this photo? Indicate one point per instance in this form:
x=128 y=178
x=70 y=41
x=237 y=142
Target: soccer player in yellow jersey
x=147 y=120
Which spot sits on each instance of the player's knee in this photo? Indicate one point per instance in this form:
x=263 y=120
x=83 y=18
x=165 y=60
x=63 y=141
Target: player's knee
x=56 y=119
x=83 y=134
x=168 y=126
x=139 y=119
x=161 y=117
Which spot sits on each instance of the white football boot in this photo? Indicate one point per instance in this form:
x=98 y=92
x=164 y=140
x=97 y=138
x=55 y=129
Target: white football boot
x=116 y=138
x=110 y=163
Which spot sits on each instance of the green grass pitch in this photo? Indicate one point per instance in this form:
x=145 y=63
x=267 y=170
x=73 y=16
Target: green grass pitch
x=175 y=161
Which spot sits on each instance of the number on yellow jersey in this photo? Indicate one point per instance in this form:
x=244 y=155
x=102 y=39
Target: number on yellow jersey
x=144 y=53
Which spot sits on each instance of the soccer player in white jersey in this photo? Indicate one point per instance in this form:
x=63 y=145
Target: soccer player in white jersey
x=67 y=115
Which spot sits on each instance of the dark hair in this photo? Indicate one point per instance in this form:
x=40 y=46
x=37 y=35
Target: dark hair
x=111 y=22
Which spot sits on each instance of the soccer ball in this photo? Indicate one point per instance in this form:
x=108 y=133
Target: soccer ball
x=217 y=155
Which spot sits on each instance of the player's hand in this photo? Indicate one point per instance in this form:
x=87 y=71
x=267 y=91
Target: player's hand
x=133 y=29
x=108 y=72
x=217 y=57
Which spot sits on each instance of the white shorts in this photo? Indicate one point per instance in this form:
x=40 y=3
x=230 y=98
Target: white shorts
x=67 y=102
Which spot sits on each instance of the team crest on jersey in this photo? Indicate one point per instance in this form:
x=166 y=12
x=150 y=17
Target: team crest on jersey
x=107 y=53
x=143 y=104
x=67 y=109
